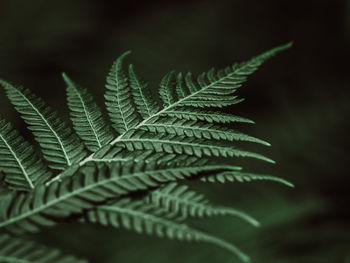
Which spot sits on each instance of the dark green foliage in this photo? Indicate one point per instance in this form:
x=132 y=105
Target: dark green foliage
x=153 y=220
x=127 y=179
x=94 y=184
x=15 y=250
x=60 y=146
x=178 y=199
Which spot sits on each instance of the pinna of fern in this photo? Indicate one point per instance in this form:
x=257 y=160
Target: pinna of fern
x=88 y=170
x=24 y=251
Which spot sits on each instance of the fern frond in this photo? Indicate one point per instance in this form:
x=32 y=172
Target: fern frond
x=154 y=147
x=145 y=104
x=15 y=250
x=203 y=115
x=221 y=83
x=60 y=146
x=93 y=184
x=179 y=200
x=87 y=117
x=198 y=129
x=22 y=166
x=160 y=142
x=238 y=176
x=151 y=220
x=118 y=97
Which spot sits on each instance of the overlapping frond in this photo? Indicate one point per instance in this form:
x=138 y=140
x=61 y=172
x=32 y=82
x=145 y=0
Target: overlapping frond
x=18 y=160
x=60 y=146
x=86 y=117
x=179 y=200
x=238 y=176
x=92 y=185
x=16 y=250
x=152 y=220
x=118 y=97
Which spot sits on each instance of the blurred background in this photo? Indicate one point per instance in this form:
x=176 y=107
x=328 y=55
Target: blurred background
x=299 y=100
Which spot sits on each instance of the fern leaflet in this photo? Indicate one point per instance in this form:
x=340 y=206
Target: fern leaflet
x=177 y=199
x=22 y=167
x=237 y=176
x=145 y=104
x=118 y=98
x=87 y=117
x=60 y=146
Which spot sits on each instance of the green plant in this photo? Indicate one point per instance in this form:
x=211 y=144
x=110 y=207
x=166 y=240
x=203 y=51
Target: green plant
x=125 y=175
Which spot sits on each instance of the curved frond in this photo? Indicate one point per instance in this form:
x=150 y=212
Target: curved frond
x=22 y=166
x=144 y=102
x=93 y=184
x=238 y=176
x=86 y=117
x=15 y=250
x=151 y=220
x=179 y=200
x=118 y=97
x=60 y=146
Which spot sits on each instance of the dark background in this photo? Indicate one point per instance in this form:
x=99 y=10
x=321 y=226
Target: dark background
x=299 y=100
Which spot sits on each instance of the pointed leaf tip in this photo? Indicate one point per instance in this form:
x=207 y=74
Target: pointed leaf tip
x=65 y=77
x=128 y=52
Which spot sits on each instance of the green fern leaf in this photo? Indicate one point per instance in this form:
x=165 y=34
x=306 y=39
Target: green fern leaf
x=118 y=98
x=145 y=104
x=22 y=167
x=237 y=176
x=154 y=146
x=151 y=220
x=178 y=199
x=60 y=146
x=92 y=185
x=203 y=115
x=87 y=117
x=15 y=250
x=208 y=95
